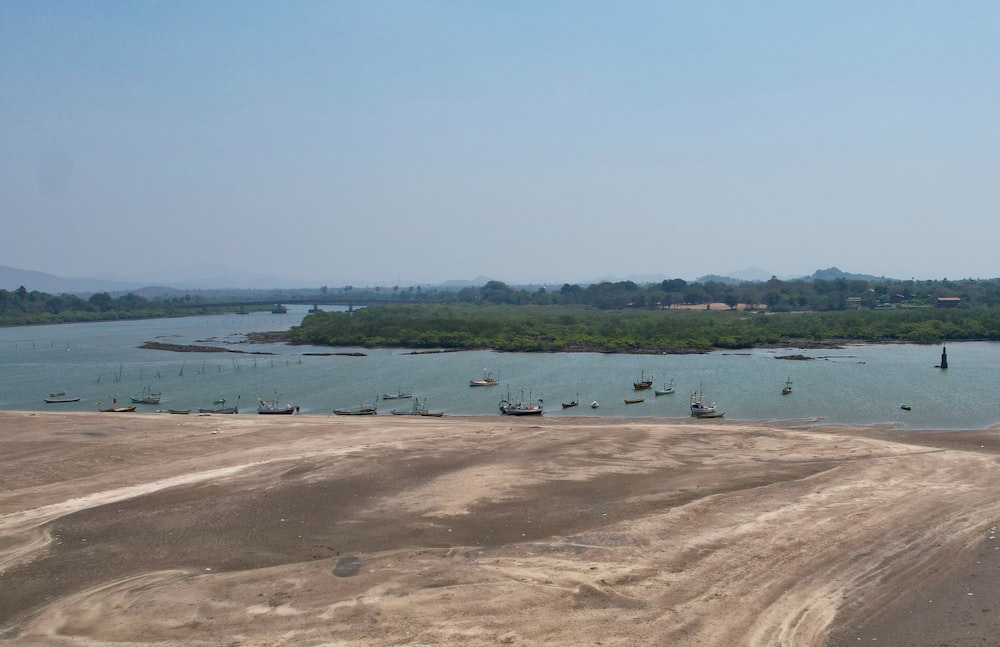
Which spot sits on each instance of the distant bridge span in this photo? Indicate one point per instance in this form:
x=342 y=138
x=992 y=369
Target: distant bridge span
x=326 y=301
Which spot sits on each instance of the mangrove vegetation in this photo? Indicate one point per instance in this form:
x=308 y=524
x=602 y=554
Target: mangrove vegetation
x=579 y=328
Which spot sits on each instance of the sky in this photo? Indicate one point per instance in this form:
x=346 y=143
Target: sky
x=528 y=141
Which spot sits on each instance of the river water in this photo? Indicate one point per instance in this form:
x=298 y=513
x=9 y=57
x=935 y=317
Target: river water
x=863 y=384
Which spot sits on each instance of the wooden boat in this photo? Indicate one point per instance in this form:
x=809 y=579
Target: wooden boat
x=787 y=388
x=567 y=405
x=701 y=408
x=510 y=408
x=643 y=383
x=360 y=411
x=127 y=409
x=227 y=410
x=181 y=412
x=273 y=408
x=666 y=390
x=418 y=409
x=148 y=397
x=223 y=410
x=488 y=380
x=58 y=398
x=634 y=400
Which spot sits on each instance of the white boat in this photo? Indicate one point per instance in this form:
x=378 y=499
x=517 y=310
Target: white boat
x=510 y=408
x=273 y=408
x=667 y=388
x=702 y=408
x=787 y=388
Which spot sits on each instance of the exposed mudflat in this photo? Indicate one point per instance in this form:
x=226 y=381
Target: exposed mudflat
x=133 y=529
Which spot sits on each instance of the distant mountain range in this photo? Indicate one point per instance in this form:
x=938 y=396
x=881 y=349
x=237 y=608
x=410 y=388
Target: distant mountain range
x=215 y=278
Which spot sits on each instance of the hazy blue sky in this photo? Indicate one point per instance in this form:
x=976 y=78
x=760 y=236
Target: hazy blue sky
x=527 y=141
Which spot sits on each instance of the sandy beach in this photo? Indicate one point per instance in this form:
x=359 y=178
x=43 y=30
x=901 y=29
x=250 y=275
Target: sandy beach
x=140 y=529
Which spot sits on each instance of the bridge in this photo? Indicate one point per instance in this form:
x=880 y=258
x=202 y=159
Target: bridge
x=314 y=302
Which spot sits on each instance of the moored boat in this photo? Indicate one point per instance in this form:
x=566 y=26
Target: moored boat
x=702 y=408
x=182 y=412
x=227 y=410
x=418 y=409
x=488 y=380
x=273 y=408
x=634 y=400
x=567 y=405
x=520 y=408
x=360 y=411
x=127 y=409
x=58 y=398
x=148 y=397
x=667 y=388
x=785 y=390
x=396 y=396
x=643 y=383
x=223 y=409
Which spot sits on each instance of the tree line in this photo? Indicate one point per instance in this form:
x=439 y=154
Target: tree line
x=583 y=328
x=775 y=295
x=23 y=307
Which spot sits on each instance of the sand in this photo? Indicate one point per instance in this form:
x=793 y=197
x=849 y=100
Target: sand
x=140 y=529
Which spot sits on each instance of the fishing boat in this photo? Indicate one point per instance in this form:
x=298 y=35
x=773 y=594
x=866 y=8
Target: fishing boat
x=667 y=388
x=226 y=410
x=396 y=396
x=785 y=390
x=702 y=408
x=279 y=309
x=148 y=397
x=273 y=408
x=58 y=398
x=634 y=400
x=487 y=380
x=223 y=409
x=643 y=383
x=520 y=408
x=127 y=409
x=418 y=409
x=567 y=405
x=360 y=411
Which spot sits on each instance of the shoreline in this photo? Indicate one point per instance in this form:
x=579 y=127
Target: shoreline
x=492 y=529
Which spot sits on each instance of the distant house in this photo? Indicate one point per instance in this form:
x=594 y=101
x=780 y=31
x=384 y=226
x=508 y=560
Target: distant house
x=854 y=302
x=948 y=302
x=885 y=306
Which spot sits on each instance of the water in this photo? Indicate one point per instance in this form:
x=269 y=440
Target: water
x=864 y=384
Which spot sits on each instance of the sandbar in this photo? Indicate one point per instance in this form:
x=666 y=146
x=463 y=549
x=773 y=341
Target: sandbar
x=142 y=529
